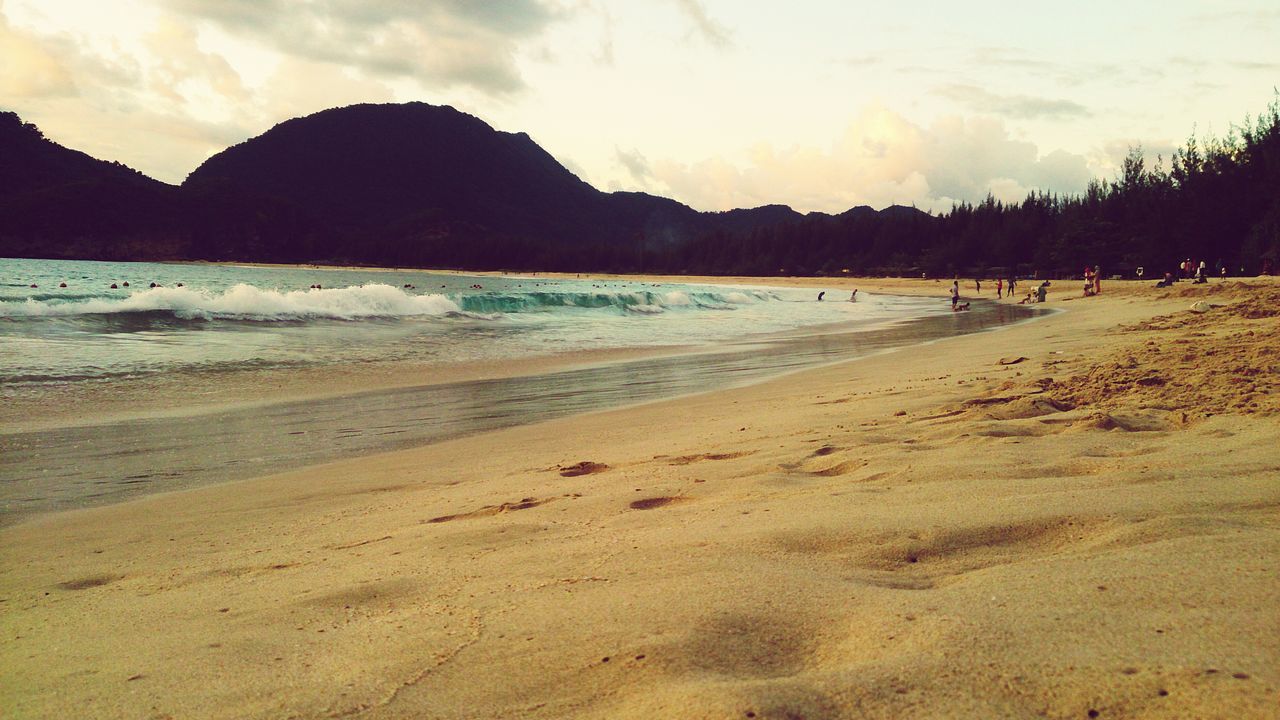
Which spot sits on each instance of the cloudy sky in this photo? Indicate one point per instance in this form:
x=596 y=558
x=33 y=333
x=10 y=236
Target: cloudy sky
x=818 y=104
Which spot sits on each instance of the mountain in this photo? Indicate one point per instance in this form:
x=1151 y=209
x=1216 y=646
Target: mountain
x=393 y=184
x=365 y=171
x=57 y=202
x=422 y=184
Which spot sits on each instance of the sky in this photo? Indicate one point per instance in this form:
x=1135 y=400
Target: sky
x=820 y=105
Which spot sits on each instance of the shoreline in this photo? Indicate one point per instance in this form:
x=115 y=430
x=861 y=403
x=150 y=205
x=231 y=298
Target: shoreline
x=952 y=531
x=171 y=450
x=128 y=399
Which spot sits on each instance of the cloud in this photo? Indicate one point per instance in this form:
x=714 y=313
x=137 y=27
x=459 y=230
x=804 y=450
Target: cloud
x=437 y=42
x=181 y=62
x=1003 y=57
x=28 y=68
x=1259 y=18
x=880 y=159
x=105 y=105
x=1108 y=158
x=635 y=164
x=861 y=61
x=301 y=87
x=1014 y=106
x=1251 y=65
x=711 y=31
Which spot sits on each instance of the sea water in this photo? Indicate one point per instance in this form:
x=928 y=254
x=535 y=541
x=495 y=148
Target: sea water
x=62 y=321
x=200 y=321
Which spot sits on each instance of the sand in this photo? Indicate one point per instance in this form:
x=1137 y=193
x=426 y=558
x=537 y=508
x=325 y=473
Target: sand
x=1076 y=517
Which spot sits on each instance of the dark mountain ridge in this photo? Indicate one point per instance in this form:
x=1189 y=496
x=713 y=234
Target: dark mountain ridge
x=63 y=203
x=428 y=186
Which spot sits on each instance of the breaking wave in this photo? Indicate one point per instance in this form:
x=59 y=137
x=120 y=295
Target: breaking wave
x=246 y=302
x=249 y=303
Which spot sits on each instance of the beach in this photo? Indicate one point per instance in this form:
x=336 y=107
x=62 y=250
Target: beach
x=1077 y=516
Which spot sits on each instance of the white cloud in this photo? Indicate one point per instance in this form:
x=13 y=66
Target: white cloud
x=1011 y=106
x=441 y=43
x=28 y=68
x=708 y=29
x=881 y=159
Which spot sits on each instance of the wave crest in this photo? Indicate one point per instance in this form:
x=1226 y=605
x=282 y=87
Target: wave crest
x=246 y=302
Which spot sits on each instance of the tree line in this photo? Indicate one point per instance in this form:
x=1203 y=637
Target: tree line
x=1216 y=199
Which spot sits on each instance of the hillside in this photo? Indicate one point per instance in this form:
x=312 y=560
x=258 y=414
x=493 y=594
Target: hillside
x=57 y=202
x=429 y=186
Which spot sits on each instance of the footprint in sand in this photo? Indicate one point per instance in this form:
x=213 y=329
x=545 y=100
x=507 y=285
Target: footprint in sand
x=656 y=502
x=490 y=510
x=586 y=467
x=687 y=459
x=85 y=583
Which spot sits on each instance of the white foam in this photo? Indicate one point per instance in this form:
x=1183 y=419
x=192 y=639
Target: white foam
x=646 y=309
x=247 y=302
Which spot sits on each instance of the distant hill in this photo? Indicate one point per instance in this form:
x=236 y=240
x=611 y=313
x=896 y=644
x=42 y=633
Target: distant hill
x=429 y=186
x=56 y=202
x=421 y=184
x=408 y=184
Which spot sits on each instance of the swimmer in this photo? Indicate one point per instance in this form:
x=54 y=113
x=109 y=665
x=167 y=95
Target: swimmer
x=824 y=292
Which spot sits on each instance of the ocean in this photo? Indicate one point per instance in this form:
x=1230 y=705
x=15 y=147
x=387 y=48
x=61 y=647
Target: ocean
x=206 y=318
x=63 y=327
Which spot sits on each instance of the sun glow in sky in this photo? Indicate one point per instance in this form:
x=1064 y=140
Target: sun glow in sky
x=821 y=105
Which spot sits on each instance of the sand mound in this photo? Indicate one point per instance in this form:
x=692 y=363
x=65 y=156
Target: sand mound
x=1017 y=407
x=1236 y=372
x=1199 y=364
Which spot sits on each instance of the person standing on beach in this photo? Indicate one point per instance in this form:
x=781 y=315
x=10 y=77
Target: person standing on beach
x=1097 y=279
x=955 y=293
x=977 y=286
x=999 y=288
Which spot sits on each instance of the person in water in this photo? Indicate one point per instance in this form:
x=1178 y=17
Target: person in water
x=853 y=297
x=824 y=292
x=955 y=293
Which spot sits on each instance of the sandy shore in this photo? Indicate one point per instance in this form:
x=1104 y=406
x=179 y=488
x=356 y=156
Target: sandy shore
x=1076 y=517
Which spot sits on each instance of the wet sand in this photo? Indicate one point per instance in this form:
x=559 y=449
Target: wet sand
x=1077 y=517
x=100 y=461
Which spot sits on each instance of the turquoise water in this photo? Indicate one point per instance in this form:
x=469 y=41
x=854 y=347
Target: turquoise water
x=54 y=339
x=208 y=318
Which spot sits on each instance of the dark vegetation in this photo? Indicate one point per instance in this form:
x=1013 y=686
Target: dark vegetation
x=419 y=185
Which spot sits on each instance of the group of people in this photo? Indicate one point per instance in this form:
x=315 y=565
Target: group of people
x=1003 y=289
x=1197 y=273
x=1092 y=280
